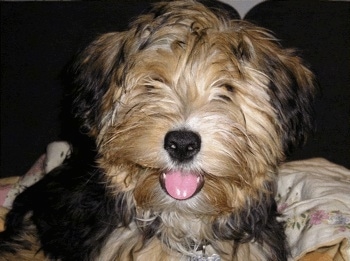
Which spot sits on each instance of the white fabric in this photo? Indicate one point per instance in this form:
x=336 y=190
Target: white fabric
x=56 y=153
x=314 y=200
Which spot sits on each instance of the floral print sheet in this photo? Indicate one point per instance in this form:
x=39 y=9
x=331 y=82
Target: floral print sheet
x=314 y=202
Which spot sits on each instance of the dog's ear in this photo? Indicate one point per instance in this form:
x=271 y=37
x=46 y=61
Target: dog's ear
x=92 y=74
x=291 y=85
x=291 y=90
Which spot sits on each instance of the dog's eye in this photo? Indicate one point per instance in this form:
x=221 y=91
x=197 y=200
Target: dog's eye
x=228 y=87
x=226 y=95
x=157 y=79
x=149 y=87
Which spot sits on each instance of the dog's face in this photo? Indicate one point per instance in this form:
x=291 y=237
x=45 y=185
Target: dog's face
x=192 y=112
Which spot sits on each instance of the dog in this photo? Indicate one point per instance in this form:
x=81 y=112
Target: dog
x=192 y=113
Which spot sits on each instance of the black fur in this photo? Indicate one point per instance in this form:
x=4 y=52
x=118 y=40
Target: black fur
x=293 y=100
x=257 y=223
x=72 y=210
x=90 y=76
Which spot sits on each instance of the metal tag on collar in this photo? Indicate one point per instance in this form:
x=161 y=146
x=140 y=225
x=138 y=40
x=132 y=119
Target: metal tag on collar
x=205 y=257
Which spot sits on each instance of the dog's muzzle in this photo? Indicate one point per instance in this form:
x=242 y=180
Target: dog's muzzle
x=182 y=146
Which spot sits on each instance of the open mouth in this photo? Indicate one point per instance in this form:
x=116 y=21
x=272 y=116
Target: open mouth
x=181 y=185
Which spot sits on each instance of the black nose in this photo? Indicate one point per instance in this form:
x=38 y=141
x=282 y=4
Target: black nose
x=182 y=145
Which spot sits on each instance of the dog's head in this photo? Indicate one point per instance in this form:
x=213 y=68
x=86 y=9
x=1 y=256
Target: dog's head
x=191 y=110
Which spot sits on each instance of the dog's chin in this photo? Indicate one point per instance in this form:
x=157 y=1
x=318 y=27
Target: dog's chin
x=181 y=185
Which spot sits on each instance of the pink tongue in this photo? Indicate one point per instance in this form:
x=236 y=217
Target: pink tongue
x=181 y=185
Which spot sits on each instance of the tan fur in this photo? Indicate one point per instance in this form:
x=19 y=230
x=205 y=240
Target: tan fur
x=24 y=255
x=30 y=253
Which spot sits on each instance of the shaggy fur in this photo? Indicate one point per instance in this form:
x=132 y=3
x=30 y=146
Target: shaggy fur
x=185 y=95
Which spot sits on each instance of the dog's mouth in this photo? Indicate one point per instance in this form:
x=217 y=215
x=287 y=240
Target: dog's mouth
x=181 y=185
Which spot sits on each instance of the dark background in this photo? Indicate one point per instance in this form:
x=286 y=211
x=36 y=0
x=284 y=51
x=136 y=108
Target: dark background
x=38 y=39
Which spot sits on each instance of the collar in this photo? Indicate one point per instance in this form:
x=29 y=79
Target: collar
x=201 y=255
